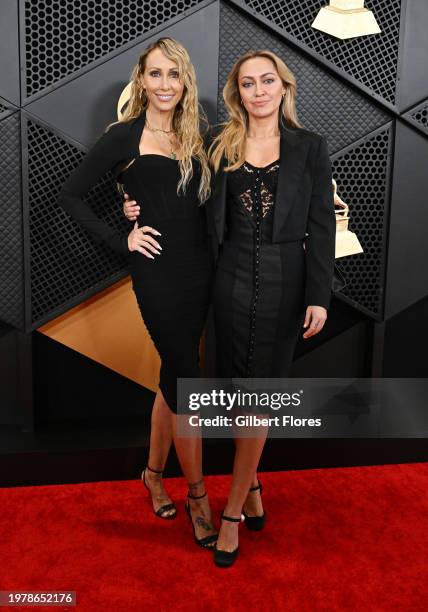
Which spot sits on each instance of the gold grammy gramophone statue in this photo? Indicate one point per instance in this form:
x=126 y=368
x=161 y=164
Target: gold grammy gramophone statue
x=123 y=99
x=346 y=19
x=347 y=242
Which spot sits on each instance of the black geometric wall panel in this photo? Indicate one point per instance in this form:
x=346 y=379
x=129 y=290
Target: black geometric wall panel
x=3 y=109
x=324 y=103
x=419 y=116
x=9 y=51
x=65 y=262
x=11 y=237
x=362 y=173
x=369 y=60
x=6 y=108
x=412 y=82
x=407 y=278
x=68 y=60
x=63 y=36
x=82 y=106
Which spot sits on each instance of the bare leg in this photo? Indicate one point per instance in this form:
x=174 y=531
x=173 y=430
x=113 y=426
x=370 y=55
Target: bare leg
x=189 y=452
x=247 y=457
x=253 y=505
x=160 y=444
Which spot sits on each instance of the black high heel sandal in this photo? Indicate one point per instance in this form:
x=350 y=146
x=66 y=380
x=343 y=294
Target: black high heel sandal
x=255 y=523
x=203 y=542
x=160 y=511
x=224 y=558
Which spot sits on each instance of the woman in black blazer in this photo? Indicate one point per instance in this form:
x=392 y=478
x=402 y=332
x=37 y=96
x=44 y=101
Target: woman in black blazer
x=157 y=153
x=272 y=217
x=294 y=230
x=272 y=222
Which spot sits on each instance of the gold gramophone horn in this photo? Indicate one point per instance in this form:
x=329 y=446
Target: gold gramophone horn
x=123 y=99
x=347 y=242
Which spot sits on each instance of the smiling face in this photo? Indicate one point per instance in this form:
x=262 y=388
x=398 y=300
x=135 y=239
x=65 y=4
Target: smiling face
x=162 y=82
x=260 y=87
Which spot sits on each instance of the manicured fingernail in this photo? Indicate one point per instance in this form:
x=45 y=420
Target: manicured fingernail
x=159 y=246
x=151 y=256
x=158 y=253
x=157 y=233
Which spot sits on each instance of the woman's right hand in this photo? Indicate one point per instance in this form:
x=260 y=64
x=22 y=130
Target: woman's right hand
x=140 y=240
x=131 y=210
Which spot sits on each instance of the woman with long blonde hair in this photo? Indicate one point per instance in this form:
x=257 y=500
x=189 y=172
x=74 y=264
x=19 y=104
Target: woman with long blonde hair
x=156 y=152
x=273 y=213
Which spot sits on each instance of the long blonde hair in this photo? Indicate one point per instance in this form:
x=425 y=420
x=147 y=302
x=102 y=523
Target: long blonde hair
x=187 y=114
x=231 y=141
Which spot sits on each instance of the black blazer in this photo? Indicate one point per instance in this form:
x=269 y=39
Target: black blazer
x=304 y=208
x=112 y=152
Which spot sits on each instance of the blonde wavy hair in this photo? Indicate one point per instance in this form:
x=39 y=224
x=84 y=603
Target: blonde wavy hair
x=231 y=141
x=188 y=113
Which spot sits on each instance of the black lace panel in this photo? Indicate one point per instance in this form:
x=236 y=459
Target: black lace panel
x=245 y=180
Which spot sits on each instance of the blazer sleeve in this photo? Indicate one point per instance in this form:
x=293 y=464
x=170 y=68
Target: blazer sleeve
x=110 y=148
x=208 y=138
x=321 y=242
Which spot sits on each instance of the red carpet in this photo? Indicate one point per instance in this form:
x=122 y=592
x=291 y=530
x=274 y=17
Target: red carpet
x=336 y=539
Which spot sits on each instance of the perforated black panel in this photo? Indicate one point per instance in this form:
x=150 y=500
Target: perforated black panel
x=65 y=262
x=6 y=108
x=362 y=175
x=371 y=60
x=321 y=97
x=62 y=36
x=11 y=255
x=419 y=116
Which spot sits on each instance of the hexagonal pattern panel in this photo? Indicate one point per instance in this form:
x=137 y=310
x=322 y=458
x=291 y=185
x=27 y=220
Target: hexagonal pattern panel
x=64 y=36
x=362 y=175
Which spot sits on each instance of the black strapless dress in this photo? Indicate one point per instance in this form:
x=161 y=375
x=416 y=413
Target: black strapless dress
x=174 y=289
x=259 y=286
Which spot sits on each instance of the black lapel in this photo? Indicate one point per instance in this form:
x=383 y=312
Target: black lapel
x=293 y=153
x=294 y=149
x=218 y=200
x=137 y=126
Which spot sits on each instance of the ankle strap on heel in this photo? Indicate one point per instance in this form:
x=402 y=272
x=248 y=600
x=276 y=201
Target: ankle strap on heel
x=196 y=496
x=152 y=470
x=259 y=486
x=232 y=519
